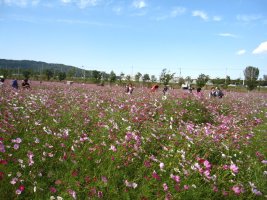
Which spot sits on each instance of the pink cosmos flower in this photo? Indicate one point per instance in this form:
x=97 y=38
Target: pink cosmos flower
x=72 y=193
x=234 y=168
x=113 y=148
x=175 y=178
x=130 y=184
x=20 y=189
x=100 y=194
x=1 y=175
x=104 y=179
x=225 y=167
x=53 y=189
x=207 y=164
x=161 y=165
x=165 y=187
x=237 y=189
x=256 y=192
x=155 y=175
x=16 y=146
x=147 y=163
x=186 y=187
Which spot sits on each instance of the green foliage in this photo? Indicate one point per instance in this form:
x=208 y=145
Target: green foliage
x=49 y=74
x=165 y=76
x=26 y=74
x=62 y=76
x=4 y=73
x=146 y=78
x=251 y=75
x=98 y=144
x=112 y=77
x=181 y=81
x=96 y=76
x=153 y=78
x=227 y=80
x=137 y=76
x=128 y=78
x=202 y=80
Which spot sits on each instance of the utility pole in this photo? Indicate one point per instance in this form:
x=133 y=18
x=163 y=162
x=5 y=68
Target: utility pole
x=83 y=72
x=225 y=75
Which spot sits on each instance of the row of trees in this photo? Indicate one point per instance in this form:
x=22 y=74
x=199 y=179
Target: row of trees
x=251 y=75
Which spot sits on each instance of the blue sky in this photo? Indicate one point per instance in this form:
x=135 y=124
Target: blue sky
x=190 y=37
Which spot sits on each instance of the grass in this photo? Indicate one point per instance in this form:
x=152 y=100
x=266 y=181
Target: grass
x=83 y=142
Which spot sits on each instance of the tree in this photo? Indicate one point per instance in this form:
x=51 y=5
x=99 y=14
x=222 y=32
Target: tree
x=181 y=81
x=146 y=78
x=165 y=76
x=26 y=74
x=61 y=76
x=49 y=74
x=251 y=75
x=227 y=80
x=112 y=77
x=128 y=78
x=4 y=73
x=188 y=79
x=202 y=80
x=264 y=81
x=137 y=77
x=96 y=76
x=153 y=78
x=71 y=72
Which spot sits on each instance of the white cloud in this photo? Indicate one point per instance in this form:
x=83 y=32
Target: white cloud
x=20 y=3
x=227 y=35
x=117 y=10
x=201 y=14
x=139 y=4
x=172 y=14
x=177 y=11
x=81 y=22
x=86 y=3
x=248 y=18
x=65 y=1
x=262 y=48
x=241 y=52
x=217 y=18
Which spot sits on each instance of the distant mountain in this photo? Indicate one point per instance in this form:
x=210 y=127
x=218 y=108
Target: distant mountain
x=17 y=66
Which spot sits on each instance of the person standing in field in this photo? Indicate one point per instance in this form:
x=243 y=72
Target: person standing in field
x=165 y=89
x=25 y=84
x=131 y=88
x=2 y=80
x=127 y=89
x=154 y=88
x=15 y=84
x=219 y=93
x=212 y=92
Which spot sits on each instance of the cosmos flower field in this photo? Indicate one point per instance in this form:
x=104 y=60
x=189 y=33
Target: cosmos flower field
x=79 y=141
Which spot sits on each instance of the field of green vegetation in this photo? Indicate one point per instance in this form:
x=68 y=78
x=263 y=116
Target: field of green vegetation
x=81 y=141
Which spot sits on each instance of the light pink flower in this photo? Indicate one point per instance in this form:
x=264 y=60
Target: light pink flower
x=165 y=187
x=161 y=165
x=234 y=168
x=175 y=178
x=207 y=164
x=113 y=148
x=237 y=189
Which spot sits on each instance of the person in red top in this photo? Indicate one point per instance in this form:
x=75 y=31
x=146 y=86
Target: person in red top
x=154 y=88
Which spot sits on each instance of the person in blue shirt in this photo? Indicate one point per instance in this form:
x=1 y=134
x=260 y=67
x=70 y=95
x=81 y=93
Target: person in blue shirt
x=15 y=84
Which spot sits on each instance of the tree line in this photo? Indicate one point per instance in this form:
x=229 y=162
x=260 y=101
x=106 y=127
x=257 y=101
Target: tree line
x=45 y=71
